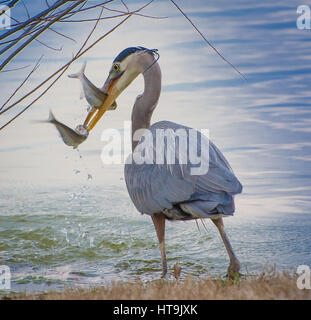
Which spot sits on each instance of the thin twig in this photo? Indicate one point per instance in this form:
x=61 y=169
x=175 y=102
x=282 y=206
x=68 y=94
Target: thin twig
x=71 y=13
x=63 y=35
x=33 y=31
x=111 y=17
x=33 y=19
x=10 y=5
x=85 y=9
x=18 y=88
x=15 y=69
x=208 y=42
x=39 y=41
x=126 y=7
x=13 y=3
x=26 y=9
x=57 y=32
x=24 y=34
x=137 y=14
x=19 y=38
x=59 y=76
x=7 y=60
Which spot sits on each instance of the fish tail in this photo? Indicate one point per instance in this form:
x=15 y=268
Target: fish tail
x=79 y=74
x=51 y=117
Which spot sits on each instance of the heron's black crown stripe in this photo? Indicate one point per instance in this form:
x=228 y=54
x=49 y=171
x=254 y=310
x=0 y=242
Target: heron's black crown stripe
x=126 y=52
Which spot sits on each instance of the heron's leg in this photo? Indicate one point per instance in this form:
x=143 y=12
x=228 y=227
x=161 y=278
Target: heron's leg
x=159 y=224
x=234 y=266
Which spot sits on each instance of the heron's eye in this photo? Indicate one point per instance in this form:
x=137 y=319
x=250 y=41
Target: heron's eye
x=116 y=67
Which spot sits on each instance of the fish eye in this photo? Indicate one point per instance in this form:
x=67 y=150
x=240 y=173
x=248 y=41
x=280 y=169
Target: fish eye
x=116 y=67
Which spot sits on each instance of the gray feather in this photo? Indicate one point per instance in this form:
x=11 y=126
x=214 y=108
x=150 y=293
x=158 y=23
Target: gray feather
x=161 y=187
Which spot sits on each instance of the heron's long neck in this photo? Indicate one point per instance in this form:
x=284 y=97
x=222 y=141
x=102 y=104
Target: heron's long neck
x=145 y=105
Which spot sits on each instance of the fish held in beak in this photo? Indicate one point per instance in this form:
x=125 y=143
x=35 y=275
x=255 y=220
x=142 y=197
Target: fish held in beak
x=72 y=138
x=93 y=95
x=112 y=92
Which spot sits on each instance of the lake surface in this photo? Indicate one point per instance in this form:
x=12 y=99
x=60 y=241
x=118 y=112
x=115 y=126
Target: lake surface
x=66 y=218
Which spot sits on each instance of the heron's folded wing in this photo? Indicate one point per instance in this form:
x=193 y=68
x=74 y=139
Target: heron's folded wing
x=220 y=177
x=155 y=187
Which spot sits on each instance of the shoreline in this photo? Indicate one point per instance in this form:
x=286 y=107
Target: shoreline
x=264 y=286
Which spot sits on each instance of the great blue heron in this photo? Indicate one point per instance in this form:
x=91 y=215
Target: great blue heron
x=168 y=191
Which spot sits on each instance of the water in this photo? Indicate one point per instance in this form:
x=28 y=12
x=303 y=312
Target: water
x=54 y=239
x=66 y=219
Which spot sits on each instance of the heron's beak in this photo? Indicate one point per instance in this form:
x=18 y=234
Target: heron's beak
x=112 y=93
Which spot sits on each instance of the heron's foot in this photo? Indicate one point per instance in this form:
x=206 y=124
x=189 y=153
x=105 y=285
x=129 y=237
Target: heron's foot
x=233 y=269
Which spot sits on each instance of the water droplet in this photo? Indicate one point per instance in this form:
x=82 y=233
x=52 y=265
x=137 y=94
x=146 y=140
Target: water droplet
x=73 y=196
x=89 y=177
x=64 y=230
x=91 y=241
x=75 y=171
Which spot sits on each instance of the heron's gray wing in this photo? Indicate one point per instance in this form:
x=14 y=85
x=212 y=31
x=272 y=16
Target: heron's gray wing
x=154 y=187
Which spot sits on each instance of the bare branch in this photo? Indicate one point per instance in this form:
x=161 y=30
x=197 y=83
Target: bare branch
x=33 y=19
x=46 y=90
x=18 y=88
x=15 y=69
x=7 y=60
x=66 y=65
x=208 y=42
x=137 y=14
x=26 y=34
x=32 y=31
x=112 y=17
x=81 y=10
x=12 y=3
x=126 y=7
x=63 y=35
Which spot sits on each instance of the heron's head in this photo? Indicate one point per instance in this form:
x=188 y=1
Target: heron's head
x=125 y=68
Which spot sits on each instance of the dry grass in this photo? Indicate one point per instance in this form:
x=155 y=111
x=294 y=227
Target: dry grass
x=267 y=286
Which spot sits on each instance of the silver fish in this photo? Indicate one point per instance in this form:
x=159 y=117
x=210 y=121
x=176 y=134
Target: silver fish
x=72 y=138
x=93 y=95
